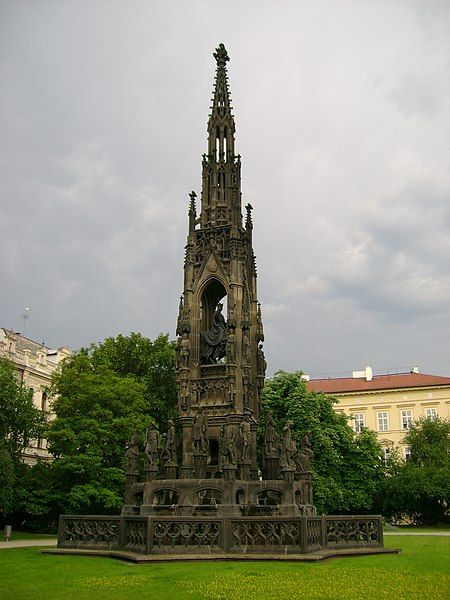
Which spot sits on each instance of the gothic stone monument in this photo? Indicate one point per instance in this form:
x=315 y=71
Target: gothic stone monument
x=206 y=491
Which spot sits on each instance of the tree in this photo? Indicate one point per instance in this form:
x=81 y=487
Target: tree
x=20 y=421
x=152 y=363
x=96 y=412
x=346 y=468
x=419 y=489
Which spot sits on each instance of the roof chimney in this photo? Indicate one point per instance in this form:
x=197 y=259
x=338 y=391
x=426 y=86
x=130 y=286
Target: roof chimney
x=368 y=373
x=415 y=370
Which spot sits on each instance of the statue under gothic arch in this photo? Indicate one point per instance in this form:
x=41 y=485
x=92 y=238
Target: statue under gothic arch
x=213 y=332
x=213 y=342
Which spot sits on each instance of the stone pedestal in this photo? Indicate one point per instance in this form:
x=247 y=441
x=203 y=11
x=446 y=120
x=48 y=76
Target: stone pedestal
x=229 y=473
x=244 y=470
x=151 y=473
x=271 y=467
x=186 y=472
x=170 y=471
x=200 y=465
x=288 y=474
x=129 y=482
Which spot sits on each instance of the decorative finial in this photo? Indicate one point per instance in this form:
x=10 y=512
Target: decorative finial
x=221 y=56
x=192 y=207
x=249 y=223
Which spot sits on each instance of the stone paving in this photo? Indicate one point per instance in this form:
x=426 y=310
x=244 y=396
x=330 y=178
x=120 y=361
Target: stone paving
x=28 y=543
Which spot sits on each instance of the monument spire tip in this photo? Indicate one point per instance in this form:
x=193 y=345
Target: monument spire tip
x=221 y=55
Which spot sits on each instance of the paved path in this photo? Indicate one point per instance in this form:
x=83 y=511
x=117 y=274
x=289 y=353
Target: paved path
x=28 y=543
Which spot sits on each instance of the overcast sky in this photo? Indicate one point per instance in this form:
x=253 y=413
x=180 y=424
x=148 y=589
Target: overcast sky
x=342 y=119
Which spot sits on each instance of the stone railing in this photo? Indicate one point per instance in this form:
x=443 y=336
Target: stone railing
x=187 y=535
x=81 y=531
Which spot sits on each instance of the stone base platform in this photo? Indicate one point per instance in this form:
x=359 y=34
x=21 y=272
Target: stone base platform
x=158 y=558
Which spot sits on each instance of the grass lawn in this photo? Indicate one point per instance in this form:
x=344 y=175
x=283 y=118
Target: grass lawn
x=418 y=529
x=420 y=572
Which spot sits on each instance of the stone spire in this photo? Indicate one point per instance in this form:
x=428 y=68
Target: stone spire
x=221 y=178
x=221 y=107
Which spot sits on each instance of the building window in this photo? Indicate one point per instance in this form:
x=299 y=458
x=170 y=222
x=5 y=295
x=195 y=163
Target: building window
x=359 y=422
x=383 y=421
x=431 y=414
x=407 y=452
x=386 y=456
x=44 y=401
x=407 y=419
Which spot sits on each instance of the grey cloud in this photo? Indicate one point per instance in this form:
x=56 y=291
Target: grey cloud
x=343 y=131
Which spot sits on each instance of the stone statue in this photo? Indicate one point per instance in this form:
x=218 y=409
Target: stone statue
x=231 y=392
x=245 y=347
x=199 y=434
x=289 y=446
x=261 y=362
x=244 y=430
x=184 y=351
x=231 y=346
x=226 y=447
x=306 y=453
x=232 y=316
x=183 y=323
x=132 y=455
x=271 y=437
x=170 y=446
x=213 y=342
x=152 y=444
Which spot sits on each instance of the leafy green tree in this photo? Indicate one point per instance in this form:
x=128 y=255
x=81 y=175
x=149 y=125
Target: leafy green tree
x=152 y=363
x=419 y=489
x=346 y=468
x=20 y=421
x=96 y=412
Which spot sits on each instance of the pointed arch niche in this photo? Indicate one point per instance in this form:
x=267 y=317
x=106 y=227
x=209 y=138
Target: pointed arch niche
x=213 y=293
x=212 y=327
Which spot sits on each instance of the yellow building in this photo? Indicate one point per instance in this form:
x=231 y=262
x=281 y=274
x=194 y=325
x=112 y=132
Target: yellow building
x=35 y=364
x=388 y=404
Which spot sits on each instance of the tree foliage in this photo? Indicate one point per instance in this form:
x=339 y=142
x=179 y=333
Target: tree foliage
x=152 y=363
x=419 y=489
x=346 y=468
x=96 y=412
x=20 y=421
x=102 y=394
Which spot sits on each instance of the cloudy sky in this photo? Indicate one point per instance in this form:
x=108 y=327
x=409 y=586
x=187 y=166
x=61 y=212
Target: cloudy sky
x=342 y=117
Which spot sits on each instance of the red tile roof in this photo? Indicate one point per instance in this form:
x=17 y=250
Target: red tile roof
x=379 y=382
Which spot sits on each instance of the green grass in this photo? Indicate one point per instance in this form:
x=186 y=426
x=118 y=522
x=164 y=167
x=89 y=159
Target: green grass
x=420 y=572
x=26 y=535
x=421 y=528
